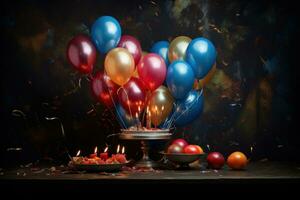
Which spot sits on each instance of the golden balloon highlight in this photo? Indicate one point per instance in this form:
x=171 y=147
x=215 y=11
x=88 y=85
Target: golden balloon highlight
x=178 y=48
x=119 y=65
x=160 y=105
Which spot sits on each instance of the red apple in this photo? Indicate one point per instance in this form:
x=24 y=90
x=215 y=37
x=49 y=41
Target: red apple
x=193 y=149
x=215 y=160
x=175 y=148
x=181 y=142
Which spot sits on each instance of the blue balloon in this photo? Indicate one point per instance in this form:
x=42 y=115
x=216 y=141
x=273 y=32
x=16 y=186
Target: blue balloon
x=106 y=33
x=180 y=79
x=161 y=48
x=189 y=109
x=201 y=55
x=124 y=118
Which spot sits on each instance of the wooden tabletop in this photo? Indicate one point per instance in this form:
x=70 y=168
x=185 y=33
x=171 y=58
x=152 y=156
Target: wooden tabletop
x=50 y=179
x=254 y=171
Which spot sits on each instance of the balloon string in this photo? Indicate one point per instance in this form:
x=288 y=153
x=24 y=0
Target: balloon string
x=89 y=77
x=123 y=125
x=128 y=102
x=120 y=120
x=169 y=123
x=188 y=108
x=147 y=103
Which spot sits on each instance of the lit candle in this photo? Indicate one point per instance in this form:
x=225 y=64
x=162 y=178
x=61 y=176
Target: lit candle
x=104 y=155
x=121 y=157
x=77 y=158
x=78 y=153
x=156 y=109
x=149 y=120
x=137 y=120
x=118 y=148
x=94 y=155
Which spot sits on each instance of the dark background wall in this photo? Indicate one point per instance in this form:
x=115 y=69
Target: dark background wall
x=250 y=104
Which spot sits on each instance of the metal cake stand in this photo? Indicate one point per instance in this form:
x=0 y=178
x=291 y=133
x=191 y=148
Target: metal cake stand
x=145 y=136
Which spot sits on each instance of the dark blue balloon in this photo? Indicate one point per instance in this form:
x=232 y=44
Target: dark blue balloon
x=106 y=33
x=189 y=109
x=180 y=79
x=161 y=48
x=201 y=55
x=124 y=118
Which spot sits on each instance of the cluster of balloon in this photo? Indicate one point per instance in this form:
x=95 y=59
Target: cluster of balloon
x=132 y=81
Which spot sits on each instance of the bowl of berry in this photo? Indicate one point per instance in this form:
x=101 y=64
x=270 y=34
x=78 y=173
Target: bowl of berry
x=102 y=163
x=182 y=153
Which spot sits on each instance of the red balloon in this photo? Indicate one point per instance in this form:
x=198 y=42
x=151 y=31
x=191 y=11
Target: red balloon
x=133 y=46
x=81 y=53
x=136 y=98
x=104 y=89
x=152 y=70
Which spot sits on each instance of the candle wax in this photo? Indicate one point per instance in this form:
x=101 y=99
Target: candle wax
x=104 y=155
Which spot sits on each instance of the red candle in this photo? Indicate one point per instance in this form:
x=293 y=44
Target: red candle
x=104 y=155
x=121 y=158
x=94 y=155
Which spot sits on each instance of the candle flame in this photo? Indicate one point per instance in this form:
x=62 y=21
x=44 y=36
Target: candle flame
x=156 y=109
x=136 y=115
x=162 y=108
x=123 y=150
x=78 y=153
x=105 y=150
x=139 y=108
x=96 y=149
x=118 y=148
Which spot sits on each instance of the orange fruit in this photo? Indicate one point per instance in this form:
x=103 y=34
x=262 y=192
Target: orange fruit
x=200 y=149
x=237 y=160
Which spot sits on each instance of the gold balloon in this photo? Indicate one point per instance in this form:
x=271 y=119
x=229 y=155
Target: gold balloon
x=160 y=105
x=119 y=65
x=178 y=48
x=202 y=82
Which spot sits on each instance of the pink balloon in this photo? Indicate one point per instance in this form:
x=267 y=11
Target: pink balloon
x=152 y=70
x=133 y=46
